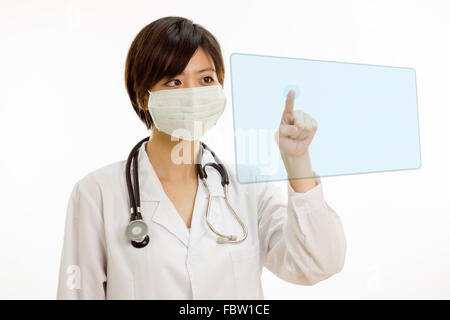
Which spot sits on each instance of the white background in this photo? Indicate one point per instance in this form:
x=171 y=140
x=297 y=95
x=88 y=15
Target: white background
x=64 y=112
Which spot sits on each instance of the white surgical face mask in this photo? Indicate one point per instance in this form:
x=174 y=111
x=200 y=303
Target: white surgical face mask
x=187 y=113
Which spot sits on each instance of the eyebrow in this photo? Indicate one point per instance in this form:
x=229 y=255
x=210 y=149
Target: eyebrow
x=203 y=70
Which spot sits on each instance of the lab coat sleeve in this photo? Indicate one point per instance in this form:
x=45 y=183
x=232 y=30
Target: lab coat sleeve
x=302 y=235
x=82 y=273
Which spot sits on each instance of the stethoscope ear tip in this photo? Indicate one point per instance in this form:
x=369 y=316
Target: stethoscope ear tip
x=221 y=240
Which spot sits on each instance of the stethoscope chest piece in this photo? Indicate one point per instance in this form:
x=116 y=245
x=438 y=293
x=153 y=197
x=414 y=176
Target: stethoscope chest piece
x=137 y=233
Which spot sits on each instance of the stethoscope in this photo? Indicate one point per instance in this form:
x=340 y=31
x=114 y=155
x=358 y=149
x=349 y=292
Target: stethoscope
x=137 y=229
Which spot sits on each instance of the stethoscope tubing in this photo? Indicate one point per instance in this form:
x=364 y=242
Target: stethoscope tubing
x=134 y=198
x=137 y=228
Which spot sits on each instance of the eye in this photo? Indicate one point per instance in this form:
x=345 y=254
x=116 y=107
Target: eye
x=209 y=81
x=167 y=83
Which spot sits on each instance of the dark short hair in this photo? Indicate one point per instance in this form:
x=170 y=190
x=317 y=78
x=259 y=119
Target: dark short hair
x=163 y=49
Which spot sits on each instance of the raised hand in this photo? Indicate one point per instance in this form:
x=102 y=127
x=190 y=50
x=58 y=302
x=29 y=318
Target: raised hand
x=296 y=131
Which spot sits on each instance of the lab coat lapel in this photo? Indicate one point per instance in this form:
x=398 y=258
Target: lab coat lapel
x=167 y=216
x=151 y=190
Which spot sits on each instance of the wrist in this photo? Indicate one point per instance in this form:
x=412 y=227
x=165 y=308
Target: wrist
x=298 y=166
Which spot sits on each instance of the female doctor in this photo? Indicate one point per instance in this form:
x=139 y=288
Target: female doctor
x=193 y=232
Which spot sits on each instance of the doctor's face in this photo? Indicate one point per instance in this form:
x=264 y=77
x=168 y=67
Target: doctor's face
x=199 y=72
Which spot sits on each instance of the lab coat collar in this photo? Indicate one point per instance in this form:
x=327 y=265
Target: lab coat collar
x=151 y=188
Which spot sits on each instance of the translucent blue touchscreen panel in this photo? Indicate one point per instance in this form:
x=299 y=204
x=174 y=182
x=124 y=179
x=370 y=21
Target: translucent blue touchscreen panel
x=367 y=115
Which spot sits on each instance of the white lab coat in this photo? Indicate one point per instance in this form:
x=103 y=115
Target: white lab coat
x=297 y=236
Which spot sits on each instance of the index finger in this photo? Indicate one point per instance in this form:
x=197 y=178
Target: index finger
x=288 y=113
